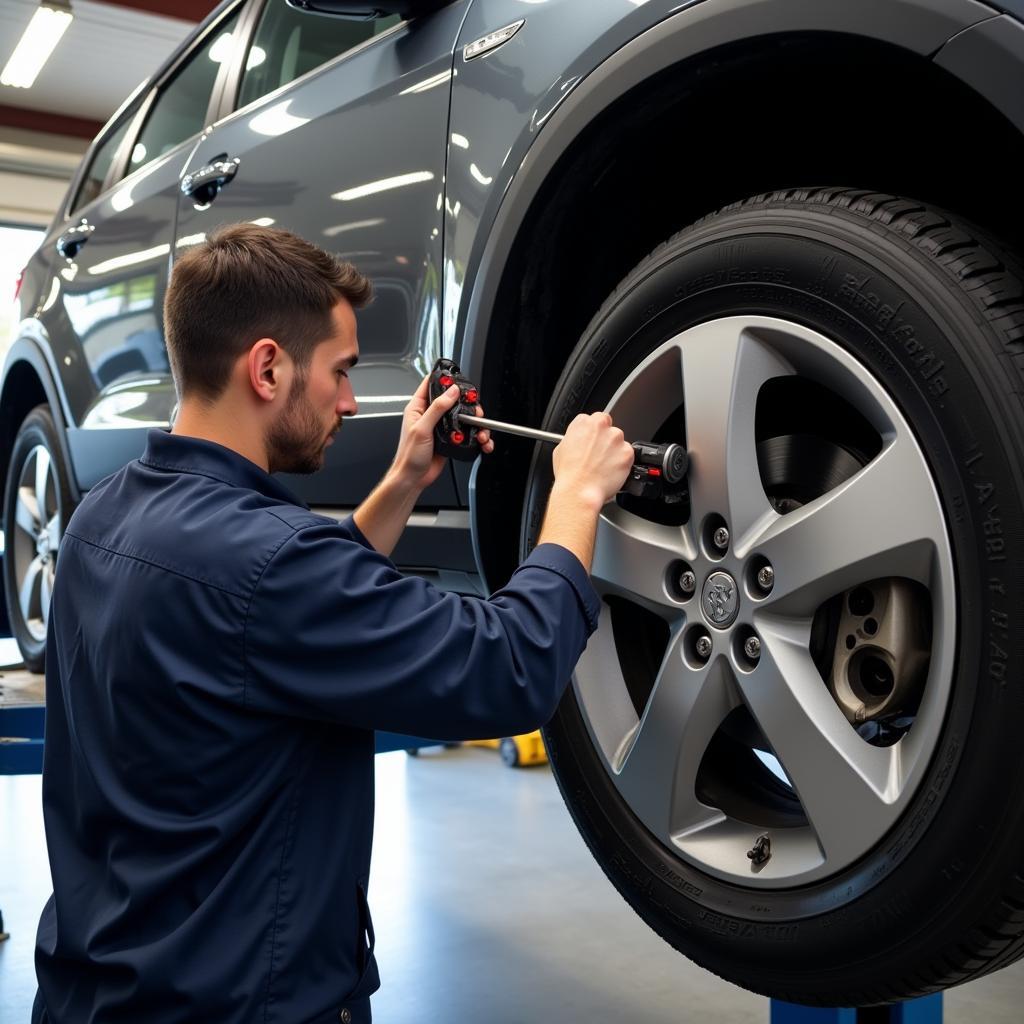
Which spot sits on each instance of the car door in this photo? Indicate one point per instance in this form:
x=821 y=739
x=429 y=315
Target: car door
x=105 y=310
x=336 y=129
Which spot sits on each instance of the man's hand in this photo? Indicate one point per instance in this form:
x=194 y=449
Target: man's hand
x=591 y=464
x=416 y=465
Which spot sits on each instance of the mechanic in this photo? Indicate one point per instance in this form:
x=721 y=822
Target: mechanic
x=219 y=657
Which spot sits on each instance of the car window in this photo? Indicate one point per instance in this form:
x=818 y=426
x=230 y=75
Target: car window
x=92 y=183
x=288 y=43
x=179 y=111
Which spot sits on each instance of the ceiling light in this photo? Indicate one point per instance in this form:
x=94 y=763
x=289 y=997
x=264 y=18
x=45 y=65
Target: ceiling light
x=44 y=32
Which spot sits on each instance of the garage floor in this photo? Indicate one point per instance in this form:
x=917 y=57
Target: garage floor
x=487 y=906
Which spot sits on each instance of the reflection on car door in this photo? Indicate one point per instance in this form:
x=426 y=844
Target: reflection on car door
x=351 y=156
x=107 y=311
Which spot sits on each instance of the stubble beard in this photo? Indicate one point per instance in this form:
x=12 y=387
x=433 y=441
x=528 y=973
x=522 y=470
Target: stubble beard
x=296 y=442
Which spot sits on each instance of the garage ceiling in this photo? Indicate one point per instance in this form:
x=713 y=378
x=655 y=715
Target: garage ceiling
x=108 y=49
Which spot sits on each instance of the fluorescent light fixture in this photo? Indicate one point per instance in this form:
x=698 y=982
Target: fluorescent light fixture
x=460 y=140
x=263 y=222
x=371 y=188
x=44 y=32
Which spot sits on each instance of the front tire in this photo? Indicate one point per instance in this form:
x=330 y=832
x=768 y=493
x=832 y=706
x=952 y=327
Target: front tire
x=37 y=505
x=845 y=369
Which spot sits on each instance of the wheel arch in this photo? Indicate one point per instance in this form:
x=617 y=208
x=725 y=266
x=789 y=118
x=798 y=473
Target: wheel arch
x=27 y=383
x=527 y=286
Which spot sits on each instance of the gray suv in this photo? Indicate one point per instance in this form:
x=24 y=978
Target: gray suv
x=786 y=234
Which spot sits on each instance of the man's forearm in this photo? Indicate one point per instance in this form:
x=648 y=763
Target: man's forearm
x=384 y=514
x=571 y=521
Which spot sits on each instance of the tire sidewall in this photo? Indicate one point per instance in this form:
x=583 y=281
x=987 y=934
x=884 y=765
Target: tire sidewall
x=910 y=323
x=38 y=428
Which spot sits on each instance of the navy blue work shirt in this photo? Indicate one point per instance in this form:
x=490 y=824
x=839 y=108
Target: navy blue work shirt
x=217 y=660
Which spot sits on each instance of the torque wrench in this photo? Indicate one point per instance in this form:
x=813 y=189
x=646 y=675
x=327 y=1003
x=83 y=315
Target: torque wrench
x=659 y=470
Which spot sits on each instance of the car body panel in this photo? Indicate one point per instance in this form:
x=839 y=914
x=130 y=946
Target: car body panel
x=519 y=133
x=101 y=310
x=483 y=135
x=989 y=58
x=287 y=176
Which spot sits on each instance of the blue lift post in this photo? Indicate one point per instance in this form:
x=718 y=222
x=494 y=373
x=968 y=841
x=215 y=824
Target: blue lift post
x=927 y=1010
x=21 y=739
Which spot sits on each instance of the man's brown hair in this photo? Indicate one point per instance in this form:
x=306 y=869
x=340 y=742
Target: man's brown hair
x=244 y=283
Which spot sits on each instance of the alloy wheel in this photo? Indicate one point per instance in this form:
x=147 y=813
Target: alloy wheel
x=741 y=590
x=37 y=532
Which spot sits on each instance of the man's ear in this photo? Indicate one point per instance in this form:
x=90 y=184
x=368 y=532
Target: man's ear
x=265 y=365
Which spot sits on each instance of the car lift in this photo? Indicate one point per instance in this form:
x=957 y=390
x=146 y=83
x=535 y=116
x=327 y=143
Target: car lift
x=21 y=753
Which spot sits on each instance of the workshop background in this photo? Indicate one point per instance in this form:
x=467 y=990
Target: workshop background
x=486 y=902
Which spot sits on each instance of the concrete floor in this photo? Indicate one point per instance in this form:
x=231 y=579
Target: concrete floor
x=487 y=906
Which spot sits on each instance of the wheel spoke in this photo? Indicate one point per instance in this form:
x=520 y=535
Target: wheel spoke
x=884 y=521
x=45 y=593
x=28 y=595
x=847 y=787
x=632 y=557
x=659 y=770
x=42 y=478
x=53 y=532
x=25 y=512
x=649 y=395
x=723 y=369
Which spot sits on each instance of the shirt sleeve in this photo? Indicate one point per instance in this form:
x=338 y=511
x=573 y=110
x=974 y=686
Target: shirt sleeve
x=334 y=631
x=348 y=527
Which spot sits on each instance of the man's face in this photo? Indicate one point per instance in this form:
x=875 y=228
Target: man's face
x=318 y=399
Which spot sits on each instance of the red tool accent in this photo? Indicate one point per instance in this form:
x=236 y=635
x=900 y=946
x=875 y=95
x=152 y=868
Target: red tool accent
x=653 y=471
x=472 y=396
x=446 y=382
x=457 y=437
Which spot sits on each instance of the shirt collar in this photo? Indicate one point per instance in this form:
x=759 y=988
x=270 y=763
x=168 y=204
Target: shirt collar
x=180 y=454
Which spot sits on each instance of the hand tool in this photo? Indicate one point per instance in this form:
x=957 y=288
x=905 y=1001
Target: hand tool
x=658 y=473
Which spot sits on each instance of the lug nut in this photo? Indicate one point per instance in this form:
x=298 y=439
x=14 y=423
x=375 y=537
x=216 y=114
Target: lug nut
x=703 y=646
x=766 y=578
x=752 y=648
x=721 y=538
x=687 y=582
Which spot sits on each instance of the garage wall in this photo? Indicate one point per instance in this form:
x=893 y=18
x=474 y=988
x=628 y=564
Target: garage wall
x=35 y=169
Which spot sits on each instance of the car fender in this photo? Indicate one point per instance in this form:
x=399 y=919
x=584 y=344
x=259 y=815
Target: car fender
x=31 y=349
x=989 y=57
x=518 y=109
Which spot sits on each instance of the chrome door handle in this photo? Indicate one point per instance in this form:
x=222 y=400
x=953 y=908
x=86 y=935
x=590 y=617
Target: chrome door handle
x=204 y=183
x=74 y=238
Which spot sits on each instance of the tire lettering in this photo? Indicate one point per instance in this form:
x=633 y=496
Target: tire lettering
x=746 y=929
x=677 y=881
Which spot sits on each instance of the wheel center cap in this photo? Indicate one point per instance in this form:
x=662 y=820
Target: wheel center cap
x=720 y=599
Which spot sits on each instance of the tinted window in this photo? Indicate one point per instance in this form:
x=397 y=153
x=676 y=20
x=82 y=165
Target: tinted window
x=92 y=183
x=288 y=43
x=180 y=108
